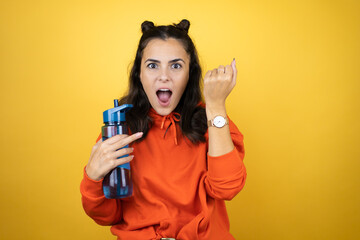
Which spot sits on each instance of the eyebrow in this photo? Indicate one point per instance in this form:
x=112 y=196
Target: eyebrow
x=157 y=61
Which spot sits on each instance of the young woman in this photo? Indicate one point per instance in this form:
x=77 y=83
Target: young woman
x=186 y=157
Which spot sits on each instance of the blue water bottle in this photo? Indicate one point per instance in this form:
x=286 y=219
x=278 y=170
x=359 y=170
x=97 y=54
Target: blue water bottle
x=117 y=183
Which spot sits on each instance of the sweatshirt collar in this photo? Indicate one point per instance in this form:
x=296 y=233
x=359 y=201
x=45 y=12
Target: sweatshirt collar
x=173 y=117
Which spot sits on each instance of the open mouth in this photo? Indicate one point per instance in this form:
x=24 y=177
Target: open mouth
x=164 y=96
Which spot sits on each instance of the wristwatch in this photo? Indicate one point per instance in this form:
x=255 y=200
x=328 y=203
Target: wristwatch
x=218 y=121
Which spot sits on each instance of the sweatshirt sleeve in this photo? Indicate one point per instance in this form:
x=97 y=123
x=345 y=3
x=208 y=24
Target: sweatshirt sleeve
x=226 y=174
x=102 y=210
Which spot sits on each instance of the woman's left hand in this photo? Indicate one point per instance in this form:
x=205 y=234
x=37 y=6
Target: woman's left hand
x=218 y=83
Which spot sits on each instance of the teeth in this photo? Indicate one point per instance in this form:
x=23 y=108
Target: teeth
x=164 y=90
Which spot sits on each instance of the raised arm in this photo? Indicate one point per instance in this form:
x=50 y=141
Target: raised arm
x=226 y=171
x=218 y=84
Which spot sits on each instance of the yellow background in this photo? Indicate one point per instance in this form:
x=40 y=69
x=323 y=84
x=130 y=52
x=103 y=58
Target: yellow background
x=296 y=101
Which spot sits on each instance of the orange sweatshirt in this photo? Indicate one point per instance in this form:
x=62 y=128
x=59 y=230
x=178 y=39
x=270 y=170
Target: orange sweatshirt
x=179 y=190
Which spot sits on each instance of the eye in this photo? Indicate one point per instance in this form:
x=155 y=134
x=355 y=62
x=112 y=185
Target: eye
x=151 y=65
x=176 y=66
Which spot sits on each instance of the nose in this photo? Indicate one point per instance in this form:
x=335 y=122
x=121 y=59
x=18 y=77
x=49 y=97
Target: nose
x=164 y=75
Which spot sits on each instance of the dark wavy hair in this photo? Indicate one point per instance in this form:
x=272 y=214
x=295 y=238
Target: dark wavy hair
x=193 y=121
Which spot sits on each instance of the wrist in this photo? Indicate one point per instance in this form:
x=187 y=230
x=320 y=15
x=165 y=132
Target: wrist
x=92 y=175
x=213 y=110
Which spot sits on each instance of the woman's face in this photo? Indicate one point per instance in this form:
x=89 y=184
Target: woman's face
x=164 y=73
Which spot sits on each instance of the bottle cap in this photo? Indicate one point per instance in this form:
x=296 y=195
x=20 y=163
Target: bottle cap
x=116 y=114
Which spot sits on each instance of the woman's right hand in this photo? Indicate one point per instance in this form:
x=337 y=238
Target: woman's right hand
x=104 y=155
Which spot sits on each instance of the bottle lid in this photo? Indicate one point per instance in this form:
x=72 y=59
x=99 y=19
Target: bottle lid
x=116 y=114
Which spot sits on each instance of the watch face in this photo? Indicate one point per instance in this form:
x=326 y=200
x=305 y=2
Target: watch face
x=219 y=121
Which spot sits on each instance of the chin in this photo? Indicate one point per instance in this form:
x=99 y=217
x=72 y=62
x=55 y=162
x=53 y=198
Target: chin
x=163 y=111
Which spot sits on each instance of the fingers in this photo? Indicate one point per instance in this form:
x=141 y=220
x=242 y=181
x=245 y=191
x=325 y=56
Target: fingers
x=122 y=152
x=121 y=137
x=104 y=155
x=123 y=160
x=121 y=156
x=207 y=75
x=221 y=71
x=219 y=82
x=123 y=140
x=115 y=139
x=228 y=70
